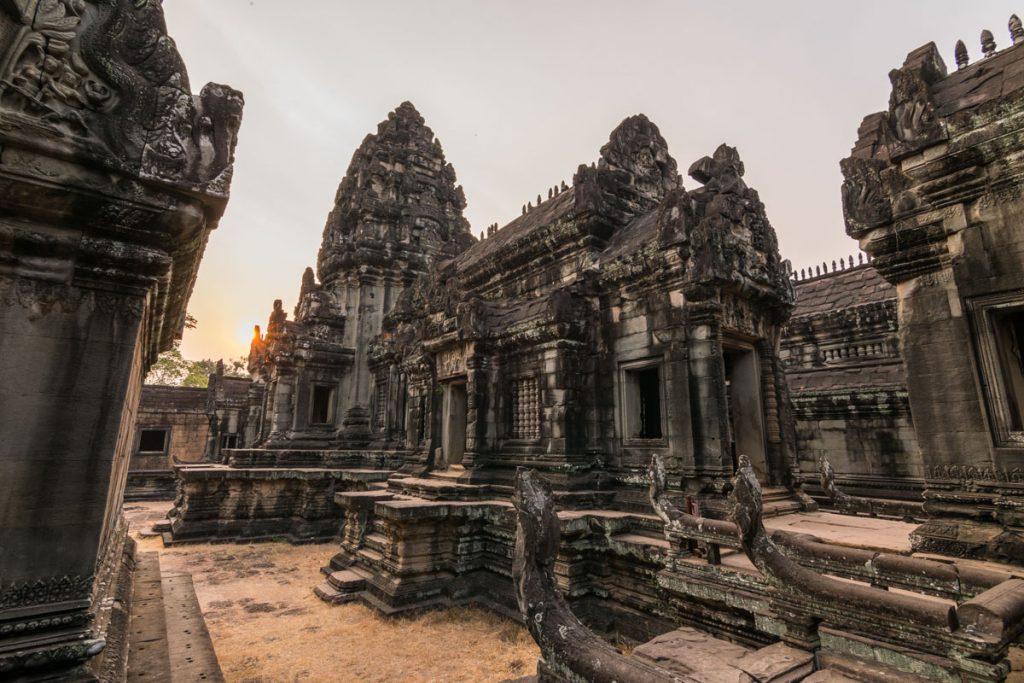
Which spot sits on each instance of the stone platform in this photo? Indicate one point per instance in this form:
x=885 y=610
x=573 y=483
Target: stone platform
x=264 y=494
x=429 y=542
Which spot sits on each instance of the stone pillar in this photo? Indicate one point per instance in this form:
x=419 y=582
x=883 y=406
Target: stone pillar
x=476 y=408
x=712 y=458
x=678 y=410
x=553 y=395
x=282 y=411
x=109 y=186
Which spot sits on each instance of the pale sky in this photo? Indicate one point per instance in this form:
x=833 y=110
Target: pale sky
x=521 y=93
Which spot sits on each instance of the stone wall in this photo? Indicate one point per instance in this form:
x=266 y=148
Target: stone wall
x=848 y=385
x=932 y=192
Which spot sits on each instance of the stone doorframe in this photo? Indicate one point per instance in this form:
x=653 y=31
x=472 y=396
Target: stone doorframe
x=454 y=413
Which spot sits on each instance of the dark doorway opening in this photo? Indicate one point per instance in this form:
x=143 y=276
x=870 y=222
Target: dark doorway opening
x=320 y=410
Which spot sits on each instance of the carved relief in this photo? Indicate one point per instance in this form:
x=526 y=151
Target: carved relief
x=106 y=73
x=451 y=362
x=45 y=73
x=43 y=591
x=975 y=473
x=41 y=298
x=865 y=202
x=912 y=111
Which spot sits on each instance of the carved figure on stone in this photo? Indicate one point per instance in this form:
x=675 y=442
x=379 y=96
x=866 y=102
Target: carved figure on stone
x=865 y=202
x=106 y=75
x=911 y=105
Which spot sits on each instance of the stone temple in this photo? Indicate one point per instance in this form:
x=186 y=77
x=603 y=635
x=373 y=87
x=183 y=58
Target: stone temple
x=598 y=419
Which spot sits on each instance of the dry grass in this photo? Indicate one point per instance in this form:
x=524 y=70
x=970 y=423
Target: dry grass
x=267 y=626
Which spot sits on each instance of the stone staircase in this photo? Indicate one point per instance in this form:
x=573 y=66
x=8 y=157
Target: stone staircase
x=779 y=501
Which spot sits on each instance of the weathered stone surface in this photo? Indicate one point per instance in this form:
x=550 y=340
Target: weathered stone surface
x=112 y=175
x=931 y=195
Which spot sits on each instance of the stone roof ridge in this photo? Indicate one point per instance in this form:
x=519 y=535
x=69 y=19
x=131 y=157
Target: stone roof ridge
x=988 y=44
x=822 y=271
x=841 y=290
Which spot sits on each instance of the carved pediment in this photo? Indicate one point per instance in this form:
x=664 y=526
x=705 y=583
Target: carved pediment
x=103 y=78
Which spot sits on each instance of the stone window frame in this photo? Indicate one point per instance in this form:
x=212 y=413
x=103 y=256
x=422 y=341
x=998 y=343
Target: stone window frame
x=990 y=372
x=331 y=404
x=379 y=402
x=625 y=421
x=138 y=440
x=512 y=406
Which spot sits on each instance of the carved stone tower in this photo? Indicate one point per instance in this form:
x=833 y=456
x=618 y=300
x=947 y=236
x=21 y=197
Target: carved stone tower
x=396 y=210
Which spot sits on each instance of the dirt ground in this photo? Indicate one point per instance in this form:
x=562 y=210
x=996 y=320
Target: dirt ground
x=268 y=627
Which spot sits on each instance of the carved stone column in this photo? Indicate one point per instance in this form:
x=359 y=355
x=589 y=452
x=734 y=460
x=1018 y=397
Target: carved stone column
x=711 y=455
x=112 y=174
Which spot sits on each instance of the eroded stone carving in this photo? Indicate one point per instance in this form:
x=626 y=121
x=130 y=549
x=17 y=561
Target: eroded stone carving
x=570 y=651
x=103 y=75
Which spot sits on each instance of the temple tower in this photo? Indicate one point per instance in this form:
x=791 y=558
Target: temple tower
x=396 y=210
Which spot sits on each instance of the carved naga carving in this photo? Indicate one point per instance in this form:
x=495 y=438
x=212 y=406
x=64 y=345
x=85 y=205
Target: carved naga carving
x=788 y=577
x=866 y=203
x=570 y=651
x=691 y=526
x=828 y=484
x=103 y=78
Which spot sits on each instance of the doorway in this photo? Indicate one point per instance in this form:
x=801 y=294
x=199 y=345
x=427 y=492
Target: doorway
x=745 y=414
x=453 y=429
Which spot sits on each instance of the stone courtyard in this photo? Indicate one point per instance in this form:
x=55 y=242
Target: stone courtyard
x=267 y=626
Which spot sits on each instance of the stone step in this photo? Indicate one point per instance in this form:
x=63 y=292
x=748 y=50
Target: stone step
x=842 y=667
x=702 y=657
x=775 y=493
x=778 y=508
x=168 y=639
x=347 y=580
x=376 y=541
x=369 y=555
x=638 y=539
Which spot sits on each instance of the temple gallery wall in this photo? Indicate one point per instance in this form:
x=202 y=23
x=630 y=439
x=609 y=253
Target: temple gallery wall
x=622 y=418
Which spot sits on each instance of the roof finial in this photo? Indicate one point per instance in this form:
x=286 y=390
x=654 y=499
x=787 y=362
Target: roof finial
x=564 y=186
x=524 y=208
x=988 y=43
x=1016 y=29
x=803 y=274
x=960 y=53
x=860 y=258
